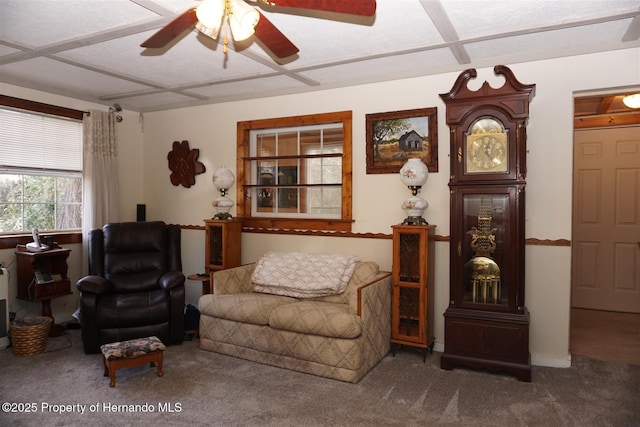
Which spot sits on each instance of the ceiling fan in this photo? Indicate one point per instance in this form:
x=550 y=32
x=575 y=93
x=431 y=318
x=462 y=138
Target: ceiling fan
x=244 y=20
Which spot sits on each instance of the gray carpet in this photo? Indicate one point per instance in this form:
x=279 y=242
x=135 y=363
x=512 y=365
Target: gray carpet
x=203 y=388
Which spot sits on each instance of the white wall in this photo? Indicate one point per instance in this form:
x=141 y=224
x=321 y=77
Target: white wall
x=377 y=198
x=130 y=170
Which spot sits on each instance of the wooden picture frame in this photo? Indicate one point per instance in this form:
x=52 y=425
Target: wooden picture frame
x=396 y=136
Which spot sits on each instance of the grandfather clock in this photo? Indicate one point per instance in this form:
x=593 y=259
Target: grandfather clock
x=487 y=323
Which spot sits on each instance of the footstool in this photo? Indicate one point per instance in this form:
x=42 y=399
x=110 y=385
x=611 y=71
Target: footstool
x=131 y=353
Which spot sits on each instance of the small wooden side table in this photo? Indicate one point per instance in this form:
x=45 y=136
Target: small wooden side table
x=205 y=279
x=53 y=261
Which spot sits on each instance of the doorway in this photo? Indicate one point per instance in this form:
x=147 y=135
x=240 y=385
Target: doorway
x=605 y=288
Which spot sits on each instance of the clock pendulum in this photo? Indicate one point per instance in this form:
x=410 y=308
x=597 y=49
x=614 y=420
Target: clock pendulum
x=484 y=271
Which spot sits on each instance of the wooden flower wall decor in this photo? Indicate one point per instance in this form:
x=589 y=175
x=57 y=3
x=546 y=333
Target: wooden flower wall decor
x=184 y=164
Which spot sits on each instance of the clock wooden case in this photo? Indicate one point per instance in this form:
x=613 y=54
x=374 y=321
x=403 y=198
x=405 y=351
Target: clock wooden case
x=487 y=323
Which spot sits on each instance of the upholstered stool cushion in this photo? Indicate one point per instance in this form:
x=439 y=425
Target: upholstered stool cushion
x=131 y=348
x=131 y=353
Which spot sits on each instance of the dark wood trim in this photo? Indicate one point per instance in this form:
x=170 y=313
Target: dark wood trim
x=191 y=227
x=62 y=237
x=547 y=242
x=11 y=241
x=315 y=233
x=438 y=238
x=40 y=107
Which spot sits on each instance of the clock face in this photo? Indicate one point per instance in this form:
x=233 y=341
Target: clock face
x=486 y=148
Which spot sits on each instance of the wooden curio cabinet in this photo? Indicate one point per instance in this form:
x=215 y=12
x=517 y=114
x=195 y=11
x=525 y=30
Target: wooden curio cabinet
x=222 y=244
x=487 y=323
x=413 y=282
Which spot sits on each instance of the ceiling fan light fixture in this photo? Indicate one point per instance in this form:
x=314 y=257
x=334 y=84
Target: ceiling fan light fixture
x=632 y=101
x=242 y=20
x=210 y=14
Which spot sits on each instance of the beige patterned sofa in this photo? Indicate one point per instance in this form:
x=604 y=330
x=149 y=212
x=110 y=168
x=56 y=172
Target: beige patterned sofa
x=339 y=336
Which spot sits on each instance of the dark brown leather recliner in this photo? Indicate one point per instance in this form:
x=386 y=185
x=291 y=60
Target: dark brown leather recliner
x=135 y=286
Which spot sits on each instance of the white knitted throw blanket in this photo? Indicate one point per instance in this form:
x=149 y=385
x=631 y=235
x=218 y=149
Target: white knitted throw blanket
x=303 y=275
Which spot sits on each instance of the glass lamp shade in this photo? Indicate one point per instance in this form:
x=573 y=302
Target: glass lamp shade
x=222 y=205
x=223 y=179
x=414 y=174
x=209 y=15
x=242 y=20
x=414 y=206
x=632 y=101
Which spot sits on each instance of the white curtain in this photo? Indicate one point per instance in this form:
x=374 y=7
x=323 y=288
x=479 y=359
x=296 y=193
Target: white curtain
x=100 y=175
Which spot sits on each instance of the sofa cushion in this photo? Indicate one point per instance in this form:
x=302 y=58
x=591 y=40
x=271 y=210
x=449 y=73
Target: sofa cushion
x=247 y=308
x=364 y=272
x=303 y=275
x=317 y=318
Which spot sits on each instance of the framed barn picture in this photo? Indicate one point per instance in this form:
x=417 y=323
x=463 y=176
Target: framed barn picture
x=396 y=136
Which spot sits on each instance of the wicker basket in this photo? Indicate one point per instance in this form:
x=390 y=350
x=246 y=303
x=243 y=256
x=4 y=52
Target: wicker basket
x=29 y=335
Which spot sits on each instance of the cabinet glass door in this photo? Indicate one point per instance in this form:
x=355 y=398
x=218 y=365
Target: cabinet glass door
x=215 y=240
x=408 y=293
x=485 y=268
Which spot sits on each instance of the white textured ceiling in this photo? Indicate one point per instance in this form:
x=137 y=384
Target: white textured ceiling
x=90 y=49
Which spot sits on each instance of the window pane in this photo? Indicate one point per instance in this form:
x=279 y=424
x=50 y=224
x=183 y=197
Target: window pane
x=310 y=141
x=324 y=200
x=324 y=170
x=331 y=199
x=39 y=215
x=289 y=176
x=68 y=216
x=288 y=200
x=10 y=217
x=266 y=145
x=11 y=188
x=69 y=203
x=43 y=202
x=288 y=144
x=69 y=189
x=332 y=140
x=286 y=197
x=39 y=189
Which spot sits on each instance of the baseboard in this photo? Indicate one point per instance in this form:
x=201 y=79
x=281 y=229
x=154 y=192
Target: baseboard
x=551 y=362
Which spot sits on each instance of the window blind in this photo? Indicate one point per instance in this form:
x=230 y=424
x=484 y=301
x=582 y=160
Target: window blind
x=36 y=141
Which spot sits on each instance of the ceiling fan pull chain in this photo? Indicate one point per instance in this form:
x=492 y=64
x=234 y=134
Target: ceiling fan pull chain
x=226 y=43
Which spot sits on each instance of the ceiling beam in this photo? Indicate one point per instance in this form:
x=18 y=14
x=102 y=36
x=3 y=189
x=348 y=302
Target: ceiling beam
x=446 y=29
x=605 y=104
x=625 y=119
x=633 y=31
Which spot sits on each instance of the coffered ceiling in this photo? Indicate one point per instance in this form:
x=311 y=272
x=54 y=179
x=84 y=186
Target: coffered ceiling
x=91 y=49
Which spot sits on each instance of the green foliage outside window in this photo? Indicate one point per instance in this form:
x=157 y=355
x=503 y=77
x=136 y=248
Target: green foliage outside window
x=37 y=201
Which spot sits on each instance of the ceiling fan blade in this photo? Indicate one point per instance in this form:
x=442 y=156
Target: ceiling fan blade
x=172 y=30
x=353 y=7
x=273 y=39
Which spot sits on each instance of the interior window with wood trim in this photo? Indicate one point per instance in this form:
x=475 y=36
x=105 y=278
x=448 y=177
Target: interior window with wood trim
x=295 y=172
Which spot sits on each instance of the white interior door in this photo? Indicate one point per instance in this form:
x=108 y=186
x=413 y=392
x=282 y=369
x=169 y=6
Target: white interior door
x=606 y=219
